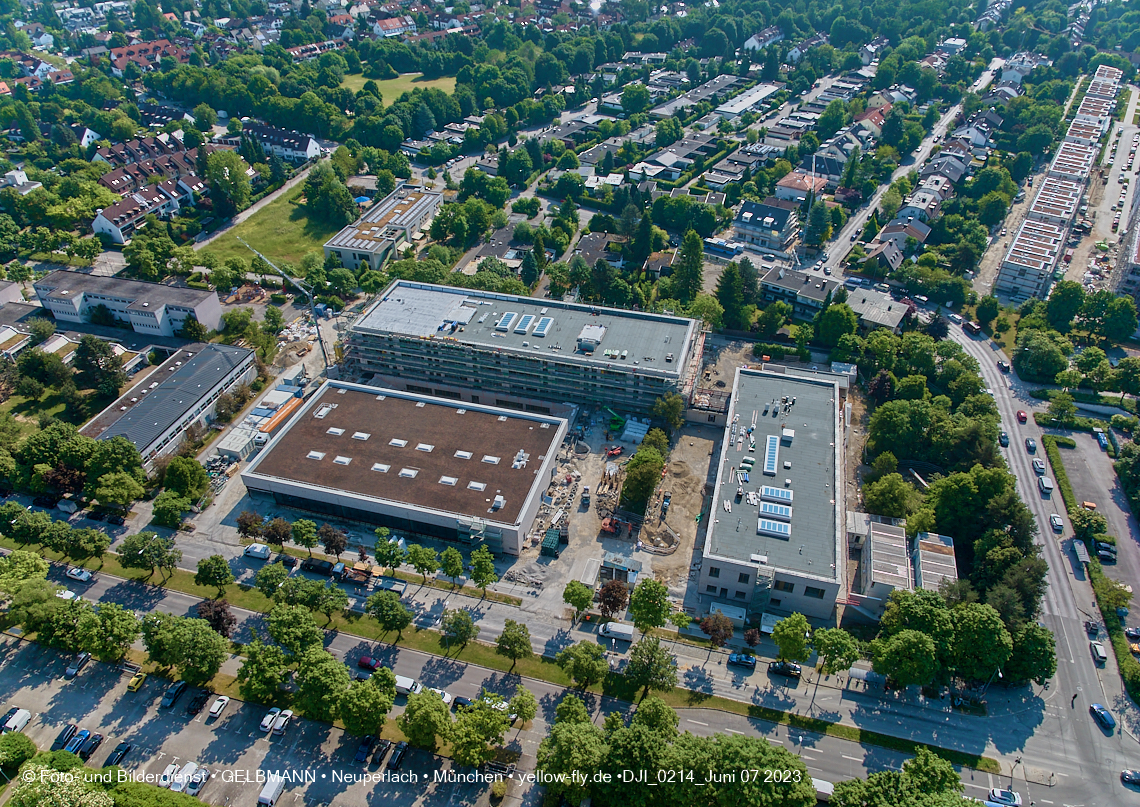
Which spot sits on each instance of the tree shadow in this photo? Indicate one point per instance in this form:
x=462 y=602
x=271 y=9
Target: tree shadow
x=439 y=672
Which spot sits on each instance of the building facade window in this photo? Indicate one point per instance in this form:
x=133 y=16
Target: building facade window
x=743 y=578
x=710 y=589
x=816 y=593
x=781 y=585
x=714 y=571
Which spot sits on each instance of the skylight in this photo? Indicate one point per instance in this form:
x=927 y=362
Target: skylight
x=316 y=455
x=343 y=460
x=448 y=480
x=476 y=485
x=335 y=432
x=397 y=442
x=487 y=458
x=463 y=455
x=408 y=473
x=425 y=447
x=381 y=467
x=360 y=435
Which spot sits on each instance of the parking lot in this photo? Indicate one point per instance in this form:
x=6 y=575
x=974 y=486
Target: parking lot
x=316 y=756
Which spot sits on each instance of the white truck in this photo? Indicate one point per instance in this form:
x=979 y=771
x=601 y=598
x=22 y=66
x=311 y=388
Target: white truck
x=274 y=786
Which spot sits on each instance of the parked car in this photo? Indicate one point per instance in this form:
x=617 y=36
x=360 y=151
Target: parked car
x=1003 y=366
x=1132 y=633
x=219 y=706
x=64 y=737
x=77 y=664
x=1056 y=523
x=118 y=521
x=368 y=663
x=788 y=668
x=136 y=683
x=282 y=722
x=197 y=782
x=381 y=750
x=270 y=717
x=173 y=693
x=461 y=703
x=499 y=705
x=317 y=566
x=447 y=697
x=1022 y=417
x=121 y=750
x=1101 y=546
x=1039 y=466
x=81 y=575
x=258 y=551
x=91 y=746
x=198 y=703
x=168 y=773
x=76 y=742
x=288 y=561
x=1030 y=445
x=1103 y=716
x=365 y=748
x=397 y=758
x=742 y=660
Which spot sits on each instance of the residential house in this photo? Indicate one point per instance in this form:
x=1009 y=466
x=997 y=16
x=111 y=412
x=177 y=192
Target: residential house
x=924 y=205
x=940 y=185
x=803 y=292
x=660 y=264
x=799 y=51
x=769 y=36
x=900 y=230
x=772 y=229
x=1020 y=65
x=394 y=26
x=18 y=179
x=953 y=167
x=146 y=55
x=825 y=166
x=878 y=310
x=872 y=119
x=121 y=219
x=885 y=255
x=289 y=145
x=303 y=53
x=797 y=186
x=141 y=149
x=870 y=52
x=601 y=246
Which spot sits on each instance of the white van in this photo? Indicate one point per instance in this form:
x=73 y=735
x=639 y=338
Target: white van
x=182 y=779
x=408 y=686
x=617 y=630
x=259 y=551
x=17 y=721
x=272 y=790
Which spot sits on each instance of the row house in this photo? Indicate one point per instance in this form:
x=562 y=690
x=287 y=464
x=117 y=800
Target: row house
x=141 y=149
x=303 y=53
x=397 y=26
x=289 y=145
x=801 y=50
x=870 y=52
x=130 y=178
x=121 y=219
x=146 y=55
x=769 y=36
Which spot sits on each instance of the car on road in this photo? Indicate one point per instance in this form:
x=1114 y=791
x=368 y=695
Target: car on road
x=64 y=737
x=1056 y=523
x=198 y=703
x=1132 y=633
x=81 y=575
x=397 y=758
x=197 y=782
x=1030 y=445
x=788 y=668
x=1103 y=716
x=77 y=664
x=91 y=746
x=461 y=703
x=1039 y=466
x=1008 y=797
x=1003 y=439
x=1130 y=777
x=121 y=750
x=282 y=722
x=365 y=748
x=1022 y=417
x=1003 y=366
x=447 y=697
x=267 y=721
x=136 y=683
x=369 y=663
x=742 y=660
x=219 y=706
x=173 y=693
x=381 y=751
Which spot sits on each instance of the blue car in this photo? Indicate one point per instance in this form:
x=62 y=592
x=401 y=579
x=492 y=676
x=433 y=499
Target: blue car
x=1103 y=716
x=76 y=742
x=743 y=660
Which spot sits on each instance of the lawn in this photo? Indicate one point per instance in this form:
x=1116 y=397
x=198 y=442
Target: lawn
x=393 y=88
x=281 y=231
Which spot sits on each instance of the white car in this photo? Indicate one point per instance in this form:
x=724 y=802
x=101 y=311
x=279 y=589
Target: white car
x=1056 y=523
x=82 y=575
x=1000 y=796
x=499 y=705
x=270 y=717
x=259 y=551
x=282 y=721
x=167 y=777
x=195 y=785
x=219 y=706
x=1039 y=466
x=447 y=696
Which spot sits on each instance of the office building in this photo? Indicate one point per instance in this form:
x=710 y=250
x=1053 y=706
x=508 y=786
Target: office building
x=384 y=228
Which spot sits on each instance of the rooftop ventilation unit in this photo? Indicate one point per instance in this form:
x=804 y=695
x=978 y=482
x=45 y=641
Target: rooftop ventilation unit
x=771 y=455
x=524 y=323
x=543 y=327
x=506 y=321
x=499 y=503
x=778 y=511
x=781 y=495
x=776 y=529
x=343 y=460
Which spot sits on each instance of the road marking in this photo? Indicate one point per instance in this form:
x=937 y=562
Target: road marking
x=699 y=723
x=734 y=731
x=853 y=759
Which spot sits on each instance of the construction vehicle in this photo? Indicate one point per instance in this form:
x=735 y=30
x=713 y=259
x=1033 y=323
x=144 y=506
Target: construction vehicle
x=586 y=496
x=611 y=525
x=614 y=451
x=665 y=499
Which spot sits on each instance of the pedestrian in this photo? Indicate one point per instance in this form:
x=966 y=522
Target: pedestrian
x=1074 y=702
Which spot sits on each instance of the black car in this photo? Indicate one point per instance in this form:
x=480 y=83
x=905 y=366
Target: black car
x=364 y=749
x=1101 y=546
x=1106 y=557
x=199 y=703
x=77 y=664
x=118 y=521
x=65 y=734
x=8 y=715
x=288 y=561
x=317 y=566
x=173 y=693
x=45 y=501
x=89 y=747
x=381 y=749
x=95 y=515
x=788 y=668
x=1030 y=445
x=397 y=758
x=1003 y=439
x=460 y=703
x=121 y=750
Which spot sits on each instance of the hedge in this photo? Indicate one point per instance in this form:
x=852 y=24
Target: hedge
x=1050 y=442
x=779 y=352
x=1089 y=397
x=1129 y=667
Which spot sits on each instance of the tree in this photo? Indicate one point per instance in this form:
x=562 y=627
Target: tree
x=889 y=495
x=477 y=729
x=118 y=488
x=1062 y=409
x=108 y=632
x=987 y=310
x=15 y=750
x=262 y=672
x=147 y=550
x=514 y=642
x=688 y=272
x=205 y=118
x=278 y=531
x=907 y=658
x=584 y=662
x=333 y=540
x=571 y=746
x=214 y=571
x=613 y=598
x=329 y=599
x=423 y=559
x=426 y=720
x=218 y=614
x=229 y=185
x=250 y=524
x=269 y=579
x=451 y=563
x=651 y=666
x=1120 y=320
x=649 y=605
x=365 y=704
x=634 y=99
x=1063 y=304
x=773 y=317
x=818 y=228
x=1034 y=656
x=389 y=553
x=791 y=637
x=642 y=475
x=457 y=626
x=837 y=650
x=938 y=328
x=718 y=628
x=669 y=408
x=730 y=294
x=189 y=645
x=322 y=682
x=981 y=642
x=42 y=785
x=98 y=367
x=579 y=596
x=168 y=509
x=523 y=705
x=1087 y=523
x=483 y=568
x=835 y=322
x=386 y=608
x=293 y=627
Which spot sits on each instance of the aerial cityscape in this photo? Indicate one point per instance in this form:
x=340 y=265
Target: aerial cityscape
x=382 y=386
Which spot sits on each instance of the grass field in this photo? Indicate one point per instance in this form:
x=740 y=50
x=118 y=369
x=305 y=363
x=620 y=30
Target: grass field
x=281 y=231
x=393 y=88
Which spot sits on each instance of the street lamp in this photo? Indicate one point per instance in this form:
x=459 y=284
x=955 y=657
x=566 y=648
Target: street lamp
x=997 y=672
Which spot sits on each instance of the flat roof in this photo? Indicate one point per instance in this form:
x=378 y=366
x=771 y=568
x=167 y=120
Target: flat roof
x=411 y=449
x=427 y=311
x=66 y=285
x=890 y=564
x=181 y=381
x=877 y=308
x=1082 y=131
x=1036 y=245
x=811 y=544
x=934 y=560
x=397 y=213
x=748 y=99
x=1056 y=199
x=696 y=95
x=1073 y=160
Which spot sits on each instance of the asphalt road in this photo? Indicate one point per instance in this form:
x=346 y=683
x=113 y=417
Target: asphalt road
x=1066 y=740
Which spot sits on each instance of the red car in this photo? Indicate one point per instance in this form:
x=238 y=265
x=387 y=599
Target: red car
x=368 y=663
x=1021 y=416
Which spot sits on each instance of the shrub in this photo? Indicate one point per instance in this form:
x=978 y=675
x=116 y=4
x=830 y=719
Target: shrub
x=1050 y=442
x=499 y=789
x=278 y=298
